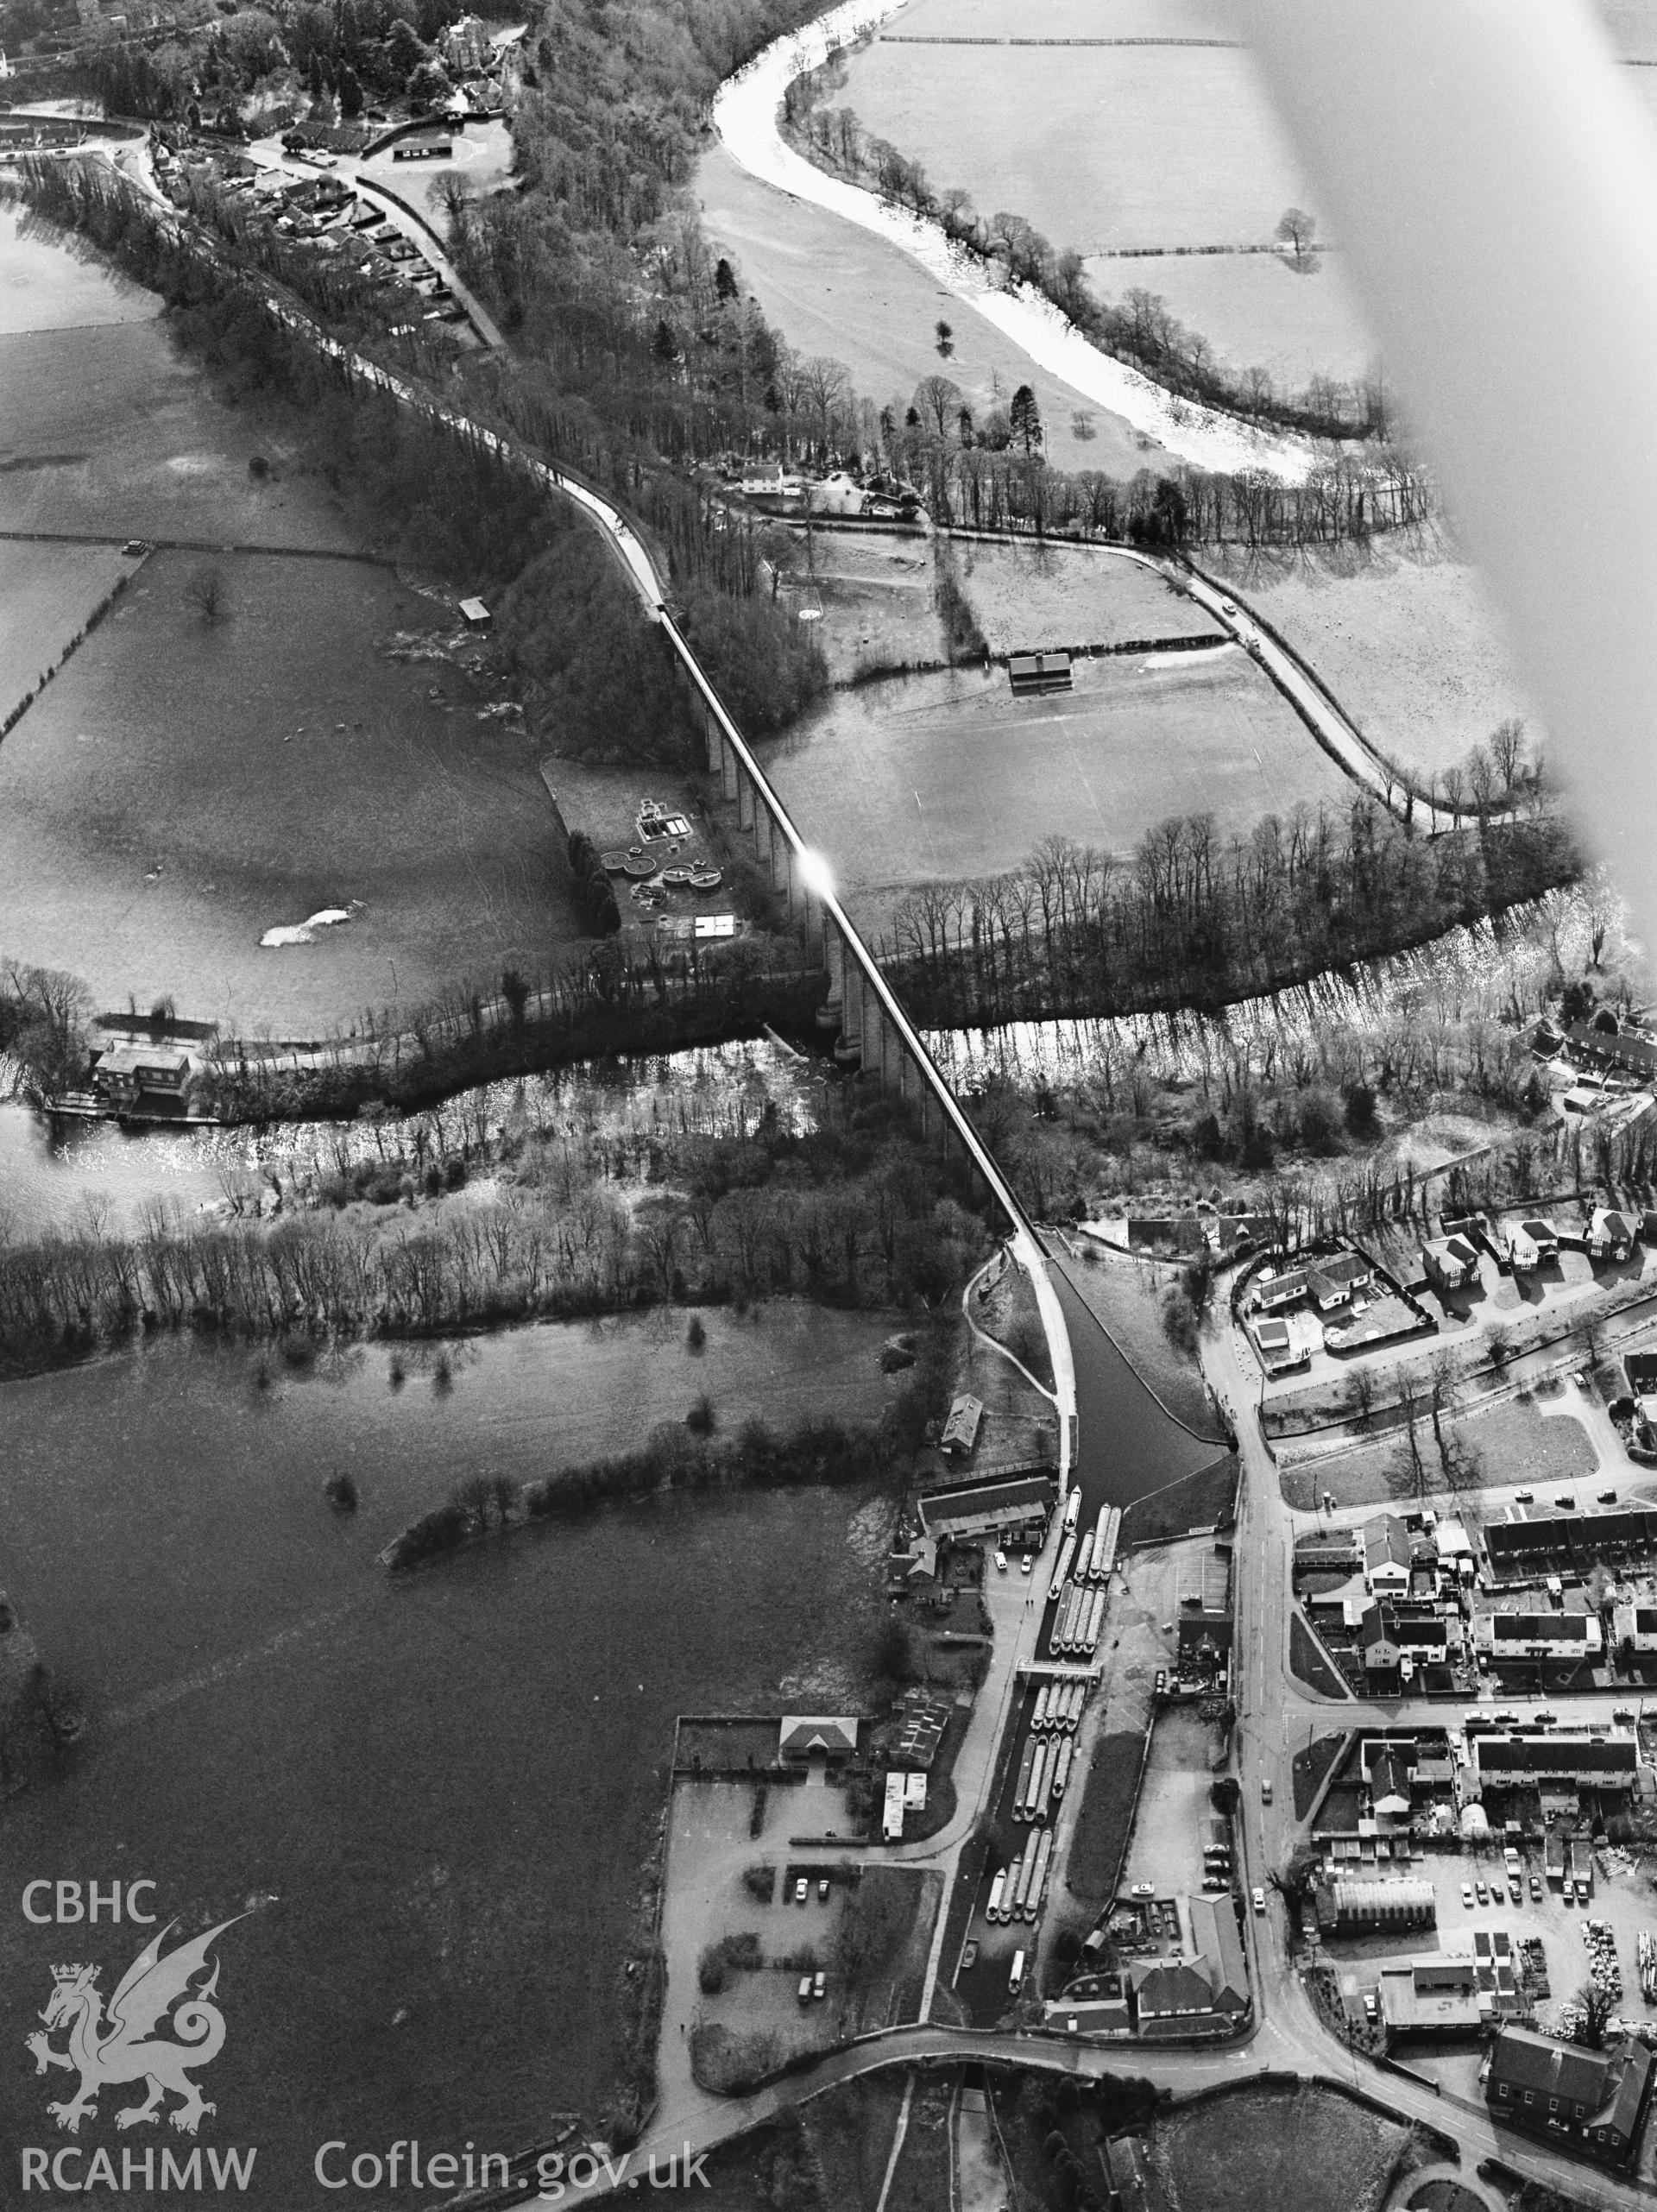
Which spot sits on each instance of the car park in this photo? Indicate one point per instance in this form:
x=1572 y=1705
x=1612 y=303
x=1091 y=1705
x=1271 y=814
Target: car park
x=1259 y=1901
x=802 y=1890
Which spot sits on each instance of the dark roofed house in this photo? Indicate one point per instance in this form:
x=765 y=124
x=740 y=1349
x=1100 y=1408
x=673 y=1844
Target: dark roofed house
x=152 y=1079
x=961 y=1430
x=1635 y=1054
x=1611 y=1234
x=805 y=1735
x=1219 y=1952
x=1594 y=2100
x=1016 y=1504
x=1171 y=1997
x=1604 y=1762
x=1451 y=1262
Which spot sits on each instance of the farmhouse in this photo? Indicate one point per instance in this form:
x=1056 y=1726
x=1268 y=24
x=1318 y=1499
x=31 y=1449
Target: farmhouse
x=1595 y=2101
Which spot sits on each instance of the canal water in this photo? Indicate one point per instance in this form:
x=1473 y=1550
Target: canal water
x=430 y=1798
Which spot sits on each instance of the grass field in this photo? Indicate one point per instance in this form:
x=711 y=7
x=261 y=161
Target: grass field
x=47 y=592
x=182 y=787
x=1254 y=2151
x=947 y=776
x=1135 y=172
x=1306 y=1661
x=1404 y=634
x=1202 y=1500
x=1254 y=309
x=1310 y=1766
x=836 y=290
x=52 y=281
x=1506 y=1443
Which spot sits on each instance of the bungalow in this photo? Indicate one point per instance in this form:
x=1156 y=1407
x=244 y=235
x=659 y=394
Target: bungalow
x=1452 y=1263
x=1594 y=2100
x=1276 y=1291
x=1334 y=1282
x=806 y=1735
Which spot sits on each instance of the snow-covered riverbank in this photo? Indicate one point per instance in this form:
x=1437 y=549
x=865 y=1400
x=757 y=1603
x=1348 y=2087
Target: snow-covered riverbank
x=744 y=116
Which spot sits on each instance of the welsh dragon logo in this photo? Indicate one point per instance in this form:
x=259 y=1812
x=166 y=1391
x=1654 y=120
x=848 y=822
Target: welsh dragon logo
x=120 y=2047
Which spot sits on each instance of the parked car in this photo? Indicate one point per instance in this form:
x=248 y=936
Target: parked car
x=1482 y=1893
x=822 y=1890
x=1228 y=606
x=1023 y=1563
x=1259 y=1899
x=1371 y=2007
x=1000 y=1562
x=819 y=1984
x=804 y=1993
x=1466 y=1892
x=1544 y=1720
x=802 y=1890
x=1516 y=1890
x=1144 y=1890
x=1566 y=1500
x=969 y=1958
x=1525 y=1497
x=1265 y=1789
x=1608 y=1497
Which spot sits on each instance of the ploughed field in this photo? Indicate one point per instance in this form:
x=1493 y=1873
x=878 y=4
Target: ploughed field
x=433 y=1797
x=1168 y=145
x=944 y=776
x=184 y=786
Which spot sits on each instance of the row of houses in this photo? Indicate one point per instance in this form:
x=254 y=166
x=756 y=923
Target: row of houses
x=1528 y=1536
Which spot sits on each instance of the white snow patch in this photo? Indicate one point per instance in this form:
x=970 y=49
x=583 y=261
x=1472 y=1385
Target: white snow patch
x=304 y=933
x=744 y=115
